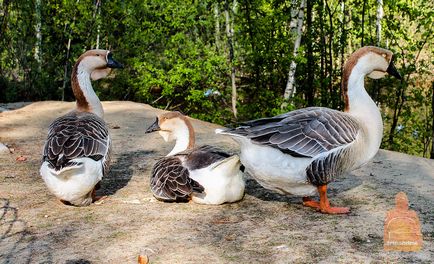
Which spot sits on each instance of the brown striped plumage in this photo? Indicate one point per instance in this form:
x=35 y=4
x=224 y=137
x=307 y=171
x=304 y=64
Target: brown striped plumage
x=170 y=176
x=75 y=135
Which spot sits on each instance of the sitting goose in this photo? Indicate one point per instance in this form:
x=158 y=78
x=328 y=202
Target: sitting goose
x=77 y=152
x=205 y=174
x=302 y=151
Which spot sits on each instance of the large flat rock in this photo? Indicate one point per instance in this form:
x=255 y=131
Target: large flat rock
x=263 y=228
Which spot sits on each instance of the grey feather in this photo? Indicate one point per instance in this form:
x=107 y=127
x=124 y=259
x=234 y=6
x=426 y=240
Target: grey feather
x=76 y=135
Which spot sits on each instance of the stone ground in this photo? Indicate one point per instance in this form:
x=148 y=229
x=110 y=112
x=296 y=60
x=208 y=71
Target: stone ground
x=262 y=228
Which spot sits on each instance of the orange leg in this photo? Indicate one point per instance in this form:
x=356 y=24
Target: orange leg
x=307 y=201
x=325 y=205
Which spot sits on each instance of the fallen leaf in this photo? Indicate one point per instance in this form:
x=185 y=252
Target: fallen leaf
x=143 y=259
x=21 y=158
x=230 y=238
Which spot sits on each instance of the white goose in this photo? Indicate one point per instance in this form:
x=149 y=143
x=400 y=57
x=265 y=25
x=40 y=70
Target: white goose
x=77 y=152
x=205 y=174
x=302 y=151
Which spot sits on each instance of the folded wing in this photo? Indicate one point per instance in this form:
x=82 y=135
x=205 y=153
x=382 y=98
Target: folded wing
x=77 y=135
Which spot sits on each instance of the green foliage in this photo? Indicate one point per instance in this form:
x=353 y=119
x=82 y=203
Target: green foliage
x=177 y=56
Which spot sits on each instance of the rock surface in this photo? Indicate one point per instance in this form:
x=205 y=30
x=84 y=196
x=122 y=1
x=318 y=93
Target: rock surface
x=263 y=228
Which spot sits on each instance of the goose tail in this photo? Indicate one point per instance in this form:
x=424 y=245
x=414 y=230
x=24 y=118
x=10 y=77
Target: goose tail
x=63 y=172
x=230 y=165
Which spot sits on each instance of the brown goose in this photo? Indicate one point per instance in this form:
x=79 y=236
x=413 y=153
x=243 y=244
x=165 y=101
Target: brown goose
x=77 y=152
x=205 y=174
x=302 y=151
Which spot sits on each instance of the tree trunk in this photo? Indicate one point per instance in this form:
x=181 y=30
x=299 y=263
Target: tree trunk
x=96 y=13
x=68 y=51
x=363 y=21
x=230 y=34
x=297 y=19
x=310 y=74
x=432 y=127
x=343 y=40
x=38 y=25
x=378 y=24
x=331 y=91
x=324 y=101
x=98 y=8
x=65 y=72
x=217 y=26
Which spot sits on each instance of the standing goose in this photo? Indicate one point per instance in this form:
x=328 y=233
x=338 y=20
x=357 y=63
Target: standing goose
x=77 y=152
x=205 y=174
x=302 y=151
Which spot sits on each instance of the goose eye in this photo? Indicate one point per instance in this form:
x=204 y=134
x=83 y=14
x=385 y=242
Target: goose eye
x=97 y=55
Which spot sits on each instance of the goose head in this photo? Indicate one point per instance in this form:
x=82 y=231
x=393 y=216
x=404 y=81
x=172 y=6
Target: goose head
x=174 y=126
x=98 y=63
x=370 y=61
x=93 y=64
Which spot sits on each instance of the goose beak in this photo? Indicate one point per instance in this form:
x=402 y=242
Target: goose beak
x=393 y=71
x=154 y=127
x=111 y=63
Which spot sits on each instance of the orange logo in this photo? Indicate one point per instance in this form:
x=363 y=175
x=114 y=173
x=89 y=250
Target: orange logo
x=402 y=227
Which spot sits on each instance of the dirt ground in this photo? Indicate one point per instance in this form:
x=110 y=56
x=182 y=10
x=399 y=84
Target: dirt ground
x=262 y=228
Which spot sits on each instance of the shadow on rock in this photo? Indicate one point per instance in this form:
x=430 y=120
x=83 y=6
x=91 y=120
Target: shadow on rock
x=343 y=184
x=16 y=241
x=78 y=261
x=122 y=170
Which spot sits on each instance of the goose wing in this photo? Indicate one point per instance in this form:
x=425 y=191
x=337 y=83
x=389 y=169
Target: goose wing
x=77 y=135
x=170 y=180
x=203 y=156
x=302 y=133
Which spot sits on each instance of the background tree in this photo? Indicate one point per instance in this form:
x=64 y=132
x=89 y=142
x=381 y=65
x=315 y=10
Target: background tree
x=217 y=60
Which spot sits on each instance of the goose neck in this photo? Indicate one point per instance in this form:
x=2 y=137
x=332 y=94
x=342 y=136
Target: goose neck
x=87 y=100
x=184 y=137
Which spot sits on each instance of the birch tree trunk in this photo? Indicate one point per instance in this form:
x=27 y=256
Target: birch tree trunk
x=217 y=25
x=378 y=23
x=296 y=27
x=97 y=12
x=363 y=21
x=38 y=25
x=376 y=83
x=432 y=127
x=230 y=34
x=68 y=51
x=310 y=73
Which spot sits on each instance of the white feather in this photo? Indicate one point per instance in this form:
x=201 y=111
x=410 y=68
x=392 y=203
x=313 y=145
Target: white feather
x=223 y=182
x=73 y=184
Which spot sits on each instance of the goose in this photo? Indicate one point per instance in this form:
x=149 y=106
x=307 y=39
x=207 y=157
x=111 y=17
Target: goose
x=300 y=152
x=204 y=174
x=76 y=154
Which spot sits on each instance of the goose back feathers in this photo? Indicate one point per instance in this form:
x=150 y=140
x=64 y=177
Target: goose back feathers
x=77 y=134
x=302 y=133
